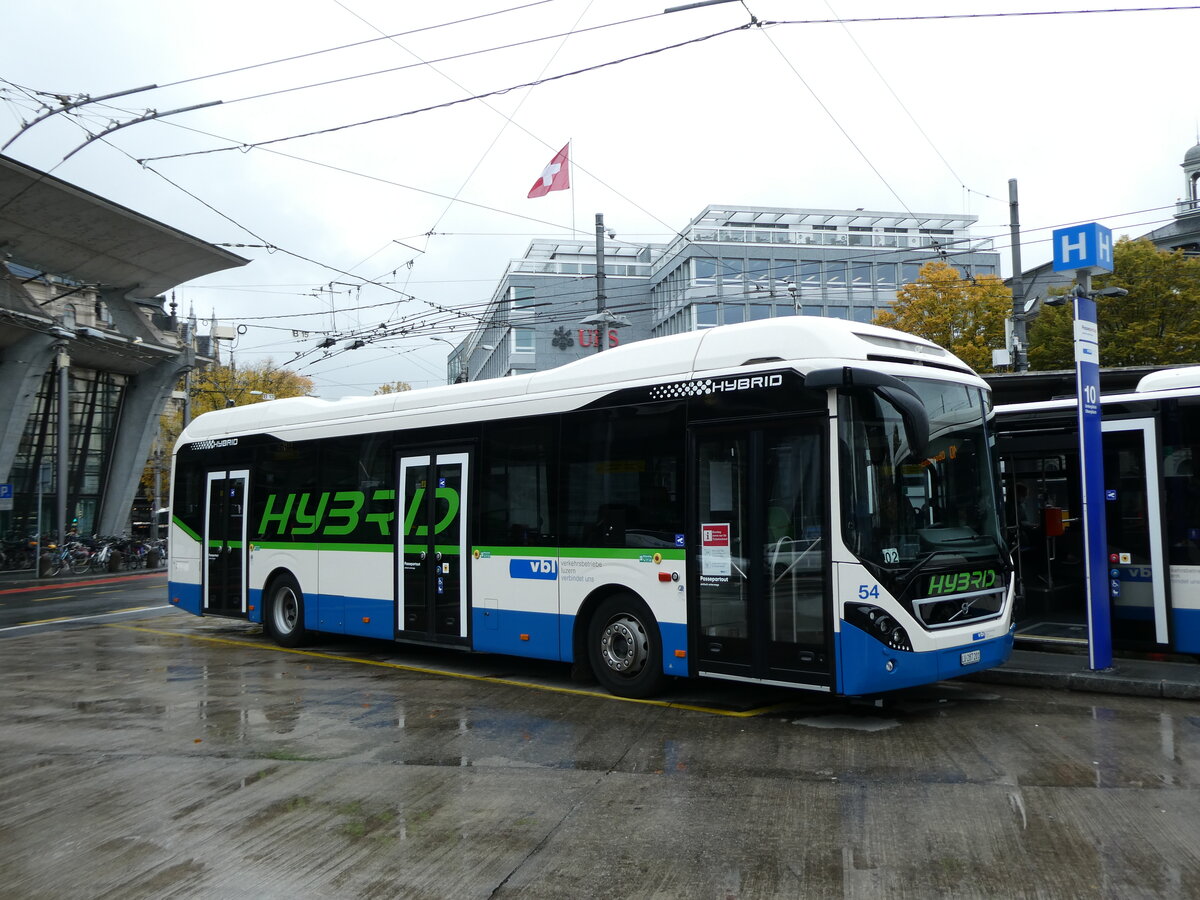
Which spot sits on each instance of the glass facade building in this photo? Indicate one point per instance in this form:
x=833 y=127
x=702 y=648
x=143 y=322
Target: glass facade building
x=730 y=264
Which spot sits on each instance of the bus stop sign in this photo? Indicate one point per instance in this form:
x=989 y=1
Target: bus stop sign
x=1083 y=248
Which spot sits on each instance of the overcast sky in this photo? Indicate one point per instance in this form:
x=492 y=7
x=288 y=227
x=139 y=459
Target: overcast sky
x=1091 y=113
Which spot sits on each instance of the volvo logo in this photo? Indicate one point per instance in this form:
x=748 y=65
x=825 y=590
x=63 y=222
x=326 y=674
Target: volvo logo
x=965 y=610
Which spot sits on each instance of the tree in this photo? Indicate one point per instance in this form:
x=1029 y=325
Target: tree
x=965 y=316
x=393 y=387
x=218 y=387
x=1157 y=323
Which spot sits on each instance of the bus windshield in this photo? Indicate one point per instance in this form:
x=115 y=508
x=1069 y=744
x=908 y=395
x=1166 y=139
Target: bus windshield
x=900 y=509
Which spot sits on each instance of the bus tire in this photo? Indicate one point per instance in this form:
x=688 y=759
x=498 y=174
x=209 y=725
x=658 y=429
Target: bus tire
x=284 y=614
x=624 y=647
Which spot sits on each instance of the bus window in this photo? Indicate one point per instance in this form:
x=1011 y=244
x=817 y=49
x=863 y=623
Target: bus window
x=356 y=473
x=622 y=478
x=515 y=485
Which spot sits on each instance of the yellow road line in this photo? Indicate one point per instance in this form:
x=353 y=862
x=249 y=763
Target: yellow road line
x=44 y=599
x=490 y=679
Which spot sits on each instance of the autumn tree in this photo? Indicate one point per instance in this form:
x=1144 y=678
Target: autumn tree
x=963 y=315
x=393 y=387
x=218 y=387
x=1157 y=323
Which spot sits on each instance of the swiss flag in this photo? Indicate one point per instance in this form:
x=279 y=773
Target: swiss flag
x=555 y=177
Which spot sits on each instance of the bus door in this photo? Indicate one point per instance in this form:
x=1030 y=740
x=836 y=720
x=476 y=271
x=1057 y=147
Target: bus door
x=761 y=599
x=1043 y=497
x=1133 y=519
x=225 y=542
x=433 y=559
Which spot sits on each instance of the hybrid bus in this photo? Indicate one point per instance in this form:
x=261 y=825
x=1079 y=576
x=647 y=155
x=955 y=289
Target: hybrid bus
x=1151 y=444
x=803 y=501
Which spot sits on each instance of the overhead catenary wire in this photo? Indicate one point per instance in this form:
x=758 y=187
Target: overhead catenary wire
x=301 y=257
x=255 y=145
x=67 y=104
x=381 y=335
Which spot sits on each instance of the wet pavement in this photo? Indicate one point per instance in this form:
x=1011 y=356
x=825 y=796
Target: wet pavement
x=180 y=757
x=1055 y=668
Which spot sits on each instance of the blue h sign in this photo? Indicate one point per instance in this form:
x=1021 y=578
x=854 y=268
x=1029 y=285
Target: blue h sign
x=1087 y=247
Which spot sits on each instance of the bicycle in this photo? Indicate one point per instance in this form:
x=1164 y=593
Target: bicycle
x=73 y=557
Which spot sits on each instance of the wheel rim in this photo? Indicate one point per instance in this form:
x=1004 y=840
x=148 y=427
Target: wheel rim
x=625 y=646
x=286 y=610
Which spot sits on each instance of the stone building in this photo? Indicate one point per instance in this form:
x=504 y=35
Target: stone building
x=89 y=353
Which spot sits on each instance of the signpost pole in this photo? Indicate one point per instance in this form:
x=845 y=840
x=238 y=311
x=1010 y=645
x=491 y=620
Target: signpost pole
x=1086 y=249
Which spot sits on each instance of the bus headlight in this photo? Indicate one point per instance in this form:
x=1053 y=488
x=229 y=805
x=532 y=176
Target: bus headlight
x=877 y=623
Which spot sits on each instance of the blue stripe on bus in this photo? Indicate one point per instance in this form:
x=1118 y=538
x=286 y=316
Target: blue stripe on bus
x=674 y=637
x=500 y=631
x=186 y=596
x=862 y=662
x=549 y=635
x=361 y=616
x=1133 y=613
x=1186 y=630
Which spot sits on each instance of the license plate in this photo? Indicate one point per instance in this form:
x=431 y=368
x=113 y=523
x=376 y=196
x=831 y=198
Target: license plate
x=969 y=658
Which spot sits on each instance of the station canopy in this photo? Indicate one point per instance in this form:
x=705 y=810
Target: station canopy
x=60 y=229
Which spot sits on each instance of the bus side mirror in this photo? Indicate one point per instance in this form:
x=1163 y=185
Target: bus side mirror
x=912 y=413
x=893 y=390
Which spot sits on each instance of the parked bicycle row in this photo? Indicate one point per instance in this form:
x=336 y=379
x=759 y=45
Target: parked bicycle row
x=82 y=555
x=18 y=552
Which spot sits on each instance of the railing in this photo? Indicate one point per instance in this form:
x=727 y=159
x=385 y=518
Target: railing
x=553 y=267
x=876 y=240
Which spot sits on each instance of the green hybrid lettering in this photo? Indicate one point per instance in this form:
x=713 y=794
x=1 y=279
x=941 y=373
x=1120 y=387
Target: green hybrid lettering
x=449 y=495
x=980 y=579
x=333 y=513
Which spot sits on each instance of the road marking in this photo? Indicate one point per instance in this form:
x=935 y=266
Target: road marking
x=120 y=612
x=86 y=583
x=44 y=599
x=490 y=679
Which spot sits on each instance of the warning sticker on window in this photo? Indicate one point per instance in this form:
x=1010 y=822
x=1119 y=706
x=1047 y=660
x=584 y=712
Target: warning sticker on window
x=714 y=549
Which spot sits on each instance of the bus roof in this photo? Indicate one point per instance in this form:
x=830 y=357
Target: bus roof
x=1165 y=385
x=800 y=342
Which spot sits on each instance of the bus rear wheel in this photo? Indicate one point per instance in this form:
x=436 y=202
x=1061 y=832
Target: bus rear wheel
x=624 y=648
x=284 y=615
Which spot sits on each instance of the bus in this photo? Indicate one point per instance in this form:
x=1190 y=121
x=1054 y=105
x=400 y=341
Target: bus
x=1151 y=447
x=804 y=502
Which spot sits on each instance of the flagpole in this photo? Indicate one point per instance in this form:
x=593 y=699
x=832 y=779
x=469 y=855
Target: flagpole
x=571 y=156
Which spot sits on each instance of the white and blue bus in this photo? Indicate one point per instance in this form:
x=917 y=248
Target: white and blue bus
x=802 y=502
x=1150 y=445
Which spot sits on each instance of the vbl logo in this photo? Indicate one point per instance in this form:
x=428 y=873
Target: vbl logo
x=539 y=569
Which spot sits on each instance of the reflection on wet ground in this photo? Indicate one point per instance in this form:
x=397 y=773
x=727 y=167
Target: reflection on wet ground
x=195 y=759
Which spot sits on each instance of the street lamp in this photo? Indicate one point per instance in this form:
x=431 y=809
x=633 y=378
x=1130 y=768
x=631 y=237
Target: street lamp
x=606 y=317
x=453 y=347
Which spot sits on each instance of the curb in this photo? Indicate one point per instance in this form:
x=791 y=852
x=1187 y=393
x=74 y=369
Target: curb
x=1114 y=682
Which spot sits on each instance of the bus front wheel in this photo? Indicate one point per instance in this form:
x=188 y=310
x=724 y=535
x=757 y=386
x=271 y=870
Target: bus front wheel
x=285 y=612
x=624 y=647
